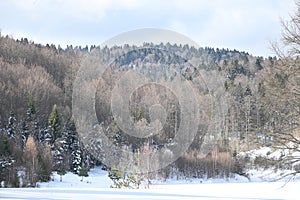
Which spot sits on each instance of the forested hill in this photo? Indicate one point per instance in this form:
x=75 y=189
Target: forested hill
x=244 y=100
x=46 y=73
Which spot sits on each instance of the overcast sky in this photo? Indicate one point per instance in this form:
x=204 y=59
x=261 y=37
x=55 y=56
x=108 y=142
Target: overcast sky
x=246 y=25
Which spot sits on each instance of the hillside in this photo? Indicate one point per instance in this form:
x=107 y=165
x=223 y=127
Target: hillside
x=237 y=94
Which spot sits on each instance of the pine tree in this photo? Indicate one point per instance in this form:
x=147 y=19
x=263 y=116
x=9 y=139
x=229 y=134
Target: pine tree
x=5 y=158
x=10 y=152
x=76 y=157
x=48 y=137
x=83 y=172
x=30 y=124
x=61 y=155
x=41 y=136
x=258 y=64
x=72 y=135
x=54 y=123
x=59 y=160
x=74 y=146
x=5 y=149
x=31 y=107
x=45 y=163
x=11 y=125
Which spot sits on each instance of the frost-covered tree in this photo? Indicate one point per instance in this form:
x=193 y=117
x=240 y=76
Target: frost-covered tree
x=283 y=95
x=11 y=126
x=59 y=155
x=69 y=135
x=30 y=123
x=5 y=156
x=10 y=152
x=41 y=136
x=72 y=145
x=76 y=158
x=48 y=136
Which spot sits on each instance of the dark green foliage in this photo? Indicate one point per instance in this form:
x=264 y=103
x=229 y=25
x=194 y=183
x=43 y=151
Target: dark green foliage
x=30 y=124
x=45 y=164
x=83 y=172
x=248 y=91
x=7 y=162
x=54 y=123
x=258 y=64
x=31 y=108
x=59 y=157
x=11 y=125
x=15 y=182
x=5 y=149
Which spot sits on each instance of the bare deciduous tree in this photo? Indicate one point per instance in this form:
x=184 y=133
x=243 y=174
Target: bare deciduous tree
x=283 y=94
x=31 y=160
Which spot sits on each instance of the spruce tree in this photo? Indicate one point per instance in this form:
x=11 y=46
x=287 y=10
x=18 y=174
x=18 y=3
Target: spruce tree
x=74 y=147
x=45 y=163
x=11 y=127
x=59 y=160
x=30 y=124
x=72 y=135
x=48 y=137
x=76 y=158
x=55 y=123
x=83 y=172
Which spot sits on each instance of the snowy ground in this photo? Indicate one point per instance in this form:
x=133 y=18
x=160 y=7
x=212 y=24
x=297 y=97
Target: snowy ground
x=96 y=186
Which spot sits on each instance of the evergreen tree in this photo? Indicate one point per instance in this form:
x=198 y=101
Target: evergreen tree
x=11 y=127
x=30 y=124
x=72 y=135
x=48 y=137
x=41 y=137
x=72 y=143
x=5 y=149
x=76 y=157
x=62 y=155
x=5 y=158
x=83 y=172
x=54 y=123
x=59 y=159
x=45 y=163
x=258 y=64
x=31 y=108
x=10 y=153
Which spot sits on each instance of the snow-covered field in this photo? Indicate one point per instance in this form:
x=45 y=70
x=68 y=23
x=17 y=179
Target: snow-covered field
x=97 y=186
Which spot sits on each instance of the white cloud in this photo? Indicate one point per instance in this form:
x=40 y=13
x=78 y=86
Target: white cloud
x=246 y=25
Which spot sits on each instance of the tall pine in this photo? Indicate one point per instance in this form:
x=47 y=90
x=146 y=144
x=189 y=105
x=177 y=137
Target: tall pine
x=30 y=123
x=54 y=123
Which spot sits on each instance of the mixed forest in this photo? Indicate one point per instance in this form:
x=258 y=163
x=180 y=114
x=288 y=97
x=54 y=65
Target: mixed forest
x=246 y=102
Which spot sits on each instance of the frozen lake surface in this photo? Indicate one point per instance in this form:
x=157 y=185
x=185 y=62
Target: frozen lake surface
x=97 y=186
